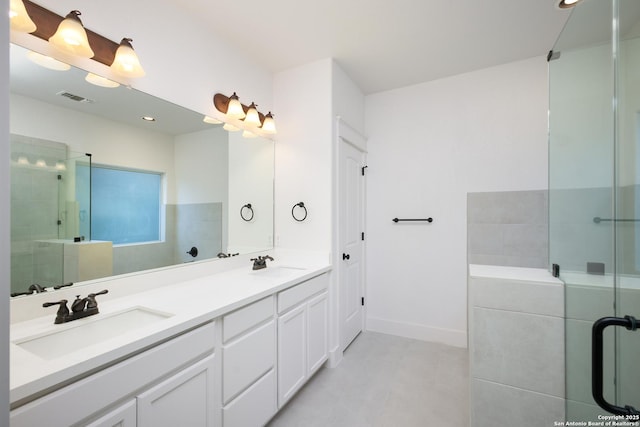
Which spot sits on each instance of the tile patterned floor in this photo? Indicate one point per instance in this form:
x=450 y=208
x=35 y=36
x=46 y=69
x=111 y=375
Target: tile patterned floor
x=385 y=381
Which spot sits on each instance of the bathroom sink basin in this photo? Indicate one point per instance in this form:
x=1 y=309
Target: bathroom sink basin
x=92 y=330
x=277 y=271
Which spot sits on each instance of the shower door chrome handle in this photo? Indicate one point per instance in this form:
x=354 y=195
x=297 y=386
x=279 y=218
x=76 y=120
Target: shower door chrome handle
x=597 y=370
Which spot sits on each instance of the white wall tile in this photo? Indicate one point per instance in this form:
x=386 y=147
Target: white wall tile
x=517 y=349
x=500 y=405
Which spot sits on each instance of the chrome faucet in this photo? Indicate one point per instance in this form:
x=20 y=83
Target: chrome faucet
x=80 y=307
x=260 y=262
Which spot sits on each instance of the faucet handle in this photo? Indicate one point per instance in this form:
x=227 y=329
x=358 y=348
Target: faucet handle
x=91 y=298
x=63 y=310
x=78 y=304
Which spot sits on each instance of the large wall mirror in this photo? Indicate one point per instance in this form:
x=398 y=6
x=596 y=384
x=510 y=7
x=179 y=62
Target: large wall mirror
x=97 y=191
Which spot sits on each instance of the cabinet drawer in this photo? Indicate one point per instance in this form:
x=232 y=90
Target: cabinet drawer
x=247 y=359
x=80 y=400
x=185 y=399
x=245 y=318
x=298 y=293
x=255 y=406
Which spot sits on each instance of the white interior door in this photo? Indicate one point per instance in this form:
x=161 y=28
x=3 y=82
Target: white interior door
x=351 y=238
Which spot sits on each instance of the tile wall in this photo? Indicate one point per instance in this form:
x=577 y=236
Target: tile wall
x=508 y=228
x=516 y=349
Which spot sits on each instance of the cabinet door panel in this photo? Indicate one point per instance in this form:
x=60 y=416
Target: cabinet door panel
x=292 y=349
x=185 y=399
x=317 y=334
x=123 y=416
x=247 y=359
x=255 y=406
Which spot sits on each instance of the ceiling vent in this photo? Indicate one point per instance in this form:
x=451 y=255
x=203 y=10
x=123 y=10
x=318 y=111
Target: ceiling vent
x=76 y=98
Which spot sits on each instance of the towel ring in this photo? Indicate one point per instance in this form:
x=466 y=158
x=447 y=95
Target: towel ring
x=293 y=214
x=247 y=206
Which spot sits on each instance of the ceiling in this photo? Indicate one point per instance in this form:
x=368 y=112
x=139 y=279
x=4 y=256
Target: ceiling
x=383 y=44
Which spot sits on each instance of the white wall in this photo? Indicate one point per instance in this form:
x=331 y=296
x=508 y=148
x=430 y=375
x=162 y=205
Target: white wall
x=250 y=181
x=5 y=221
x=429 y=145
x=303 y=104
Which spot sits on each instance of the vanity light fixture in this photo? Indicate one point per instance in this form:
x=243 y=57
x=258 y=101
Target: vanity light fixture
x=47 y=61
x=567 y=4
x=211 y=120
x=230 y=128
x=126 y=62
x=252 y=118
x=71 y=37
x=97 y=80
x=20 y=19
x=268 y=124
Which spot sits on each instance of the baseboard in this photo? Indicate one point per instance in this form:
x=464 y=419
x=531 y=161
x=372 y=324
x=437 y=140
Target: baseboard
x=335 y=357
x=450 y=337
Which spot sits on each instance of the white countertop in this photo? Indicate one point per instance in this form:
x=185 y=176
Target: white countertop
x=191 y=303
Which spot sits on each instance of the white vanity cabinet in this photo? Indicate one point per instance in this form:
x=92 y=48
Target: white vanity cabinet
x=302 y=334
x=249 y=364
x=168 y=385
x=124 y=415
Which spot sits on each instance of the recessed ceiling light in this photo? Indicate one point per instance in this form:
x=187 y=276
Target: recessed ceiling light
x=148 y=119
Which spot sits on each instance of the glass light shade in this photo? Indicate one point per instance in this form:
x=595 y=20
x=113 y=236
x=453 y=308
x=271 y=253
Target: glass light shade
x=126 y=62
x=211 y=120
x=230 y=127
x=71 y=36
x=47 y=61
x=97 y=80
x=234 y=109
x=247 y=134
x=269 y=125
x=566 y=4
x=20 y=19
x=252 y=118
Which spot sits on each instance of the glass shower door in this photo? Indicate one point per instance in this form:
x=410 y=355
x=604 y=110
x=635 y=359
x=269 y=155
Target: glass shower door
x=627 y=209
x=594 y=158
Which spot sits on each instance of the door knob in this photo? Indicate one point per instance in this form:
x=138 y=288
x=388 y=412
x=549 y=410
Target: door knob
x=345 y=256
